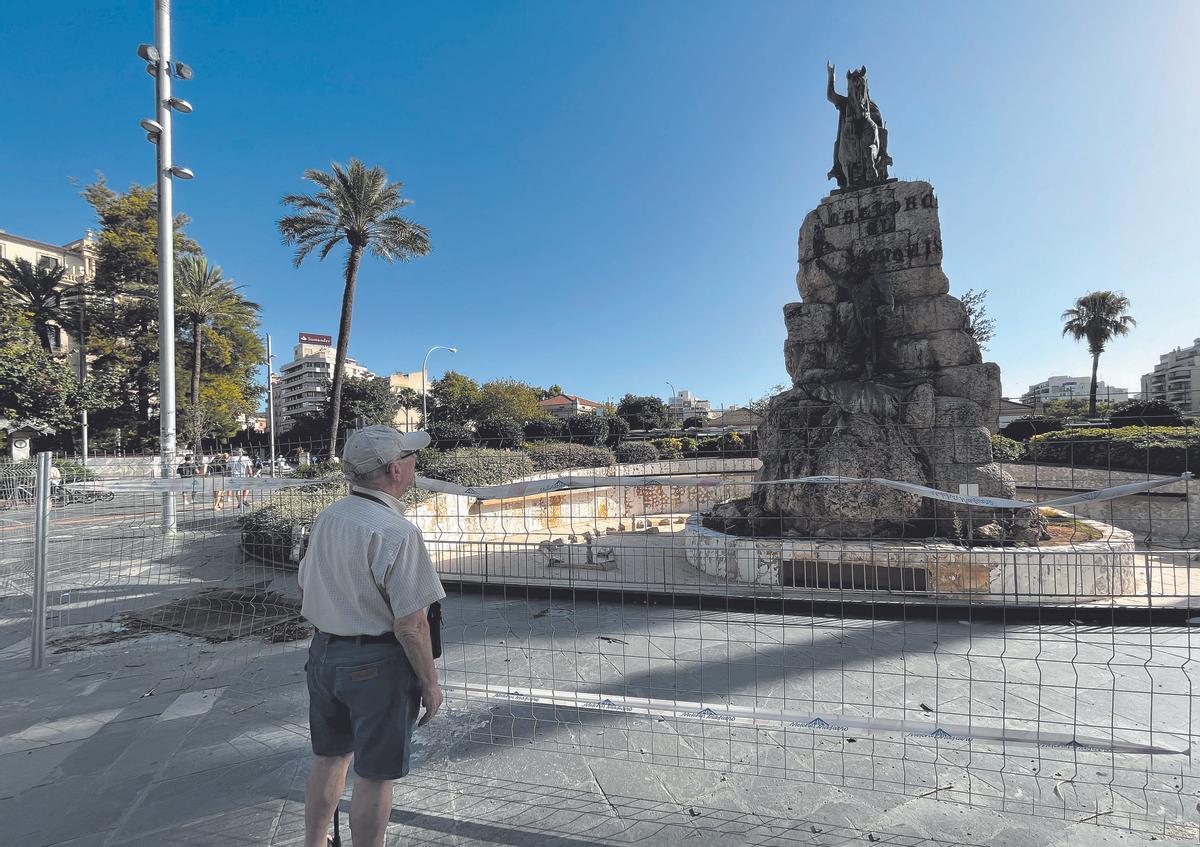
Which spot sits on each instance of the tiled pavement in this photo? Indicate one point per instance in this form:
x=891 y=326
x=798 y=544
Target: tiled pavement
x=166 y=740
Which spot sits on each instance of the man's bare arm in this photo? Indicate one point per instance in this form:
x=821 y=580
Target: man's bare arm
x=412 y=631
x=834 y=98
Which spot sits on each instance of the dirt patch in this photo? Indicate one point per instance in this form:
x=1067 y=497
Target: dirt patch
x=222 y=614
x=110 y=632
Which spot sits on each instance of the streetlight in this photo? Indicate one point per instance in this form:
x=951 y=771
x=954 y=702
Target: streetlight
x=674 y=394
x=424 y=395
x=157 y=57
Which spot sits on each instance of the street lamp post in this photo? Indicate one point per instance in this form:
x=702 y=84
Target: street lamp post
x=158 y=132
x=674 y=394
x=271 y=402
x=424 y=394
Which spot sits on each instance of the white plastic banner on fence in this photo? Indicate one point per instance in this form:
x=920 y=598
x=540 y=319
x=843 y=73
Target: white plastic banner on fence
x=535 y=487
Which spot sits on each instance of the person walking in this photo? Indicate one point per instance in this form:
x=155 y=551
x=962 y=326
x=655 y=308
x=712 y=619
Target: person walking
x=240 y=467
x=366 y=582
x=187 y=470
x=219 y=467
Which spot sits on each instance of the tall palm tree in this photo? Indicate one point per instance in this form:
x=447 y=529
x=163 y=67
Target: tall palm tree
x=38 y=291
x=203 y=295
x=1098 y=317
x=356 y=204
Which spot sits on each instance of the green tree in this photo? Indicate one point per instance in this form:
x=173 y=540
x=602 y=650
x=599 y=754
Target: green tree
x=34 y=386
x=454 y=398
x=37 y=290
x=358 y=205
x=202 y=295
x=507 y=398
x=1097 y=317
x=644 y=412
x=123 y=326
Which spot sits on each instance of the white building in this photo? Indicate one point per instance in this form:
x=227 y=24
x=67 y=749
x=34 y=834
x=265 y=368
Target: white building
x=563 y=406
x=409 y=419
x=684 y=404
x=1176 y=378
x=303 y=383
x=78 y=257
x=1071 y=388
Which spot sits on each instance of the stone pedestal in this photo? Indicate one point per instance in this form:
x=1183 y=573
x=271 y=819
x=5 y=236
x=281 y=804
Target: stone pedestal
x=887 y=381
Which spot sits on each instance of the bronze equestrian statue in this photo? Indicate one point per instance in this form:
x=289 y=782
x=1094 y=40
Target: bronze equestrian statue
x=860 y=156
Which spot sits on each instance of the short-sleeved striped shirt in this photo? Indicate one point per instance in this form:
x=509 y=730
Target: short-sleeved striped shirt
x=365 y=566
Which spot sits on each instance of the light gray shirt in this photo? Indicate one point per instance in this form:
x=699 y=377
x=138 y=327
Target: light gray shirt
x=365 y=566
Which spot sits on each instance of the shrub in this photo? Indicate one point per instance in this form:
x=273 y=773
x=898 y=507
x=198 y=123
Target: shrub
x=544 y=429
x=1146 y=413
x=500 y=433
x=473 y=465
x=1006 y=449
x=688 y=445
x=267 y=530
x=669 y=448
x=1022 y=429
x=587 y=429
x=618 y=428
x=448 y=435
x=552 y=456
x=1160 y=449
x=695 y=422
x=318 y=470
x=636 y=452
x=726 y=446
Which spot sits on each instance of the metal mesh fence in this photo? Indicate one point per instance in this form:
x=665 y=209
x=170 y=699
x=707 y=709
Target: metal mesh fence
x=610 y=621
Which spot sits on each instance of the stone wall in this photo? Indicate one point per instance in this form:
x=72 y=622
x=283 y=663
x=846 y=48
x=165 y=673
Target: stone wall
x=1170 y=515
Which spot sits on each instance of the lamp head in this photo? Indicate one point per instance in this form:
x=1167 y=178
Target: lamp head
x=180 y=171
x=148 y=52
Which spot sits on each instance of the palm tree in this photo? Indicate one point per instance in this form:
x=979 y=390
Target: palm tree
x=1098 y=317
x=37 y=291
x=203 y=295
x=356 y=204
x=408 y=399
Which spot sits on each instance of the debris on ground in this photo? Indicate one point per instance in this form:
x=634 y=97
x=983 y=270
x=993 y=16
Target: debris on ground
x=222 y=614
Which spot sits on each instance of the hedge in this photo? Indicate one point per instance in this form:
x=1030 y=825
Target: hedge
x=1159 y=449
x=551 y=456
x=587 y=429
x=447 y=435
x=474 y=465
x=500 y=433
x=636 y=452
x=1022 y=429
x=618 y=428
x=669 y=448
x=1145 y=413
x=542 y=429
x=267 y=531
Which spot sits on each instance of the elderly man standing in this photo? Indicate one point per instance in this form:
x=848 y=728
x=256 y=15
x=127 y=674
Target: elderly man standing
x=366 y=583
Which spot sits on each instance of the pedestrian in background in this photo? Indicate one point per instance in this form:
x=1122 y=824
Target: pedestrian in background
x=219 y=468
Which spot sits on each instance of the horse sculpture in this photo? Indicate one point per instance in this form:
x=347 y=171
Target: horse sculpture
x=860 y=156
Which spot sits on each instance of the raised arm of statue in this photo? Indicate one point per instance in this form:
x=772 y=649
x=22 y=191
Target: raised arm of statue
x=834 y=98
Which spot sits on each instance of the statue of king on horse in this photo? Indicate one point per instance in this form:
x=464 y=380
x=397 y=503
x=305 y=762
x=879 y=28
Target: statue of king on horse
x=860 y=156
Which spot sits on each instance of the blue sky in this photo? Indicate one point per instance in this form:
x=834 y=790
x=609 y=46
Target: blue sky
x=614 y=189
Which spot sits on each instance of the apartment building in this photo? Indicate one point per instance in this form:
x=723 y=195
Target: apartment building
x=408 y=419
x=1176 y=378
x=303 y=383
x=684 y=404
x=1071 y=388
x=79 y=259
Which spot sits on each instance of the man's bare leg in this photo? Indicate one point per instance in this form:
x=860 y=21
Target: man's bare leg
x=326 y=782
x=370 y=808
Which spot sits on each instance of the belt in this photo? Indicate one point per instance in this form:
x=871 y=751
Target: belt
x=382 y=638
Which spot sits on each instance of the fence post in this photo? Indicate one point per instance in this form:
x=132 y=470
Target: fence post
x=41 y=532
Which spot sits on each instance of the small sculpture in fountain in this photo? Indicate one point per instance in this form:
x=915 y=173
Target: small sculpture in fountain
x=887 y=381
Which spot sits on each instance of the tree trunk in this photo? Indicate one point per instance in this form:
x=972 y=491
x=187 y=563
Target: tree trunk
x=343 y=345
x=1092 y=390
x=43 y=334
x=197 y=342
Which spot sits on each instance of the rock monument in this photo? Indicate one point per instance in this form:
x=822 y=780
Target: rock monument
x=887 y=380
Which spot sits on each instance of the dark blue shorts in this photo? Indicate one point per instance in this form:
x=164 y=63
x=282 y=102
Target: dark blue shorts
x=362 y=699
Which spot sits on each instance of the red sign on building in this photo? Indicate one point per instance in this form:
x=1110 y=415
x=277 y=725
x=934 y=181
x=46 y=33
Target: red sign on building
x=311 y=338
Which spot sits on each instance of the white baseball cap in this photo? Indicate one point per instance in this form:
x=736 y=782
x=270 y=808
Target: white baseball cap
x=375 y=447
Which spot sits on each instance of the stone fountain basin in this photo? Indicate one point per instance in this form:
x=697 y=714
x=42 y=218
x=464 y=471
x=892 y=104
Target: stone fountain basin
x=1085 y=570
